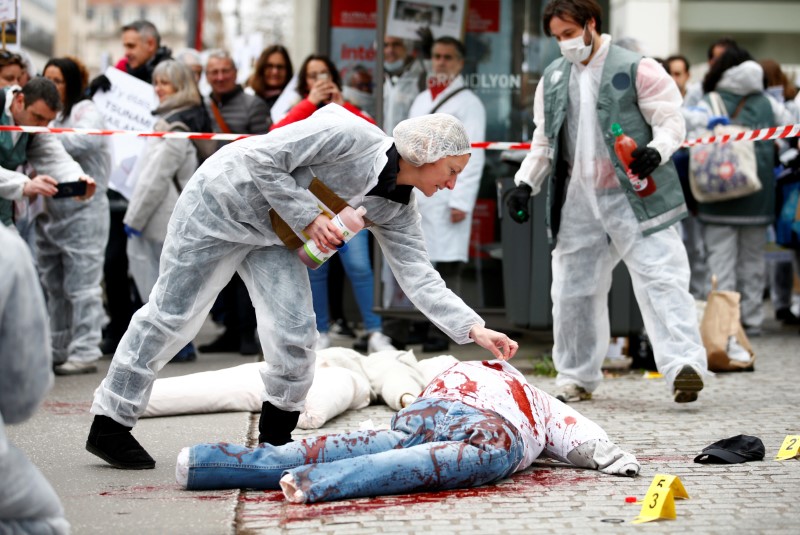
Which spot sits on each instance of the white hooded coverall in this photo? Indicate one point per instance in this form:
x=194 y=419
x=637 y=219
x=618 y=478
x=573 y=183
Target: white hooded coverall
x=221 y=225
x=599 y=228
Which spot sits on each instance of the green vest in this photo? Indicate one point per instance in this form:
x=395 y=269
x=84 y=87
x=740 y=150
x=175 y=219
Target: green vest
x=11 y=156
x=616 y=103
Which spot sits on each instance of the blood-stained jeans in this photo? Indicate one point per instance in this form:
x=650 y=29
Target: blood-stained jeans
x=433 y=445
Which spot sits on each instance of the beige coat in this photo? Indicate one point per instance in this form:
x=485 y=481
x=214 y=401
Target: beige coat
x=170 y=164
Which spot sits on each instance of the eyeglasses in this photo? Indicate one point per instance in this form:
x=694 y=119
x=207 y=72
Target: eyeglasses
x=7 y=54
x=274 y=67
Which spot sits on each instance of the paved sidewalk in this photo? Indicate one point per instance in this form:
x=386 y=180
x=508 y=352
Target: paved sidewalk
x=638 y=413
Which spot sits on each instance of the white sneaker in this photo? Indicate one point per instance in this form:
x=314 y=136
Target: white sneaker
x=75 y=367
x=379 y=342
x=323 y=342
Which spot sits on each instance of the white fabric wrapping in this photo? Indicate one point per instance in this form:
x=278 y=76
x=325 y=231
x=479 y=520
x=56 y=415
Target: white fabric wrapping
x=344 y=380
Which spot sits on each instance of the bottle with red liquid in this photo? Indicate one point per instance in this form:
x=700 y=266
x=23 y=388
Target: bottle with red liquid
x=624 y=146
x=349 y=221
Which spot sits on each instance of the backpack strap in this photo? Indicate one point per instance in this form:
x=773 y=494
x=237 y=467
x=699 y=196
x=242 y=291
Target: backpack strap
x=448 y=97
x=218 y=116
x=739 y=107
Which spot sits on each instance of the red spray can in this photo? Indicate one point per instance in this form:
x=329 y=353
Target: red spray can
x=624 y=145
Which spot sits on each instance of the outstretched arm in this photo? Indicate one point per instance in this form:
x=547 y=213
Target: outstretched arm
x=575 y=439
x=498 y=344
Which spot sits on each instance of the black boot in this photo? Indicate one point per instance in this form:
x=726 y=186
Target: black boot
x=114 y=443
x=275 y=425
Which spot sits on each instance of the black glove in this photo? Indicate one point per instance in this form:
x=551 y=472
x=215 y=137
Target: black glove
x=101 y=83
x=645 y=161
x=425 y=43
x=517 y=203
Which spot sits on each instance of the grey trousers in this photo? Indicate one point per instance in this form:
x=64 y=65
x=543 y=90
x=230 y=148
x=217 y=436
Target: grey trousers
x=736 y=256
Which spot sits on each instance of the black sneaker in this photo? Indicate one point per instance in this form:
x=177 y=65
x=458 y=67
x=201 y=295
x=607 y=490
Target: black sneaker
x=361 y=344
x=341 y=328
x=785 y=316
x=114 y=443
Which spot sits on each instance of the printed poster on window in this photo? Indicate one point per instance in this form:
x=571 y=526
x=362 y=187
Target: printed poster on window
x=8 y=10
x=443 y=17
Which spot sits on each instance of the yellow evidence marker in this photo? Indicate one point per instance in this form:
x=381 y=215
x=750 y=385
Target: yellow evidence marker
x=790 y=449
x=659 y=502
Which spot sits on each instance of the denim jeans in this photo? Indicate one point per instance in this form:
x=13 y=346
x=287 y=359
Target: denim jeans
x=359 y=270
x=433 y=444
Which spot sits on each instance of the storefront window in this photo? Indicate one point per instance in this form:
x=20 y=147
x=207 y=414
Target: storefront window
x=505 y=55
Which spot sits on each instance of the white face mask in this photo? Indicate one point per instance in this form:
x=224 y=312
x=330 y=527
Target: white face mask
x=575 y=50
x=393 y=66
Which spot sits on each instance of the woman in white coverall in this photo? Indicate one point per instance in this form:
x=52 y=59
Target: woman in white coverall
x=221 y=225
x=72 y=234
x=594 y=212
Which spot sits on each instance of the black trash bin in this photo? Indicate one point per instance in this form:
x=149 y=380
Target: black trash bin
x=527 y=274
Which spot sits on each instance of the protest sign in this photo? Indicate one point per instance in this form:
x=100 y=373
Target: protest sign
x=128 y=105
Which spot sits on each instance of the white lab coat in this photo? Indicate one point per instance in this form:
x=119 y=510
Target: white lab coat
x=446 y=241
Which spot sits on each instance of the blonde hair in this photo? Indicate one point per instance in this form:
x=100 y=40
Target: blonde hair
x=181 y=77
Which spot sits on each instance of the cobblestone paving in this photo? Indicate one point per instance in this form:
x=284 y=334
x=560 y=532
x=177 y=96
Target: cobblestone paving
x=640 y=415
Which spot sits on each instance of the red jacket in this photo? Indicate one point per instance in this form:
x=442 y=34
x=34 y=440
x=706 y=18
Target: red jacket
x=304 y=109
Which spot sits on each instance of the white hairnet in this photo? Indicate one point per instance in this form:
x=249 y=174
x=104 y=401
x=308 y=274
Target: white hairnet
x=429 y=138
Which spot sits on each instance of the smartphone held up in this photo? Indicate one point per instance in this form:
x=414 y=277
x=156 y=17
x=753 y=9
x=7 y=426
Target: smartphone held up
x=71 y=189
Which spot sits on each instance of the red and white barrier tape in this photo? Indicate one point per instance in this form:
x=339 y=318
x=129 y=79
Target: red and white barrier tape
x=762 y=134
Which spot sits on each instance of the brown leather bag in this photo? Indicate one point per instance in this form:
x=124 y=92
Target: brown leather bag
x=321 y=192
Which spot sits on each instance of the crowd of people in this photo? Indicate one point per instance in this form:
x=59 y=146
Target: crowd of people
x=193 y=237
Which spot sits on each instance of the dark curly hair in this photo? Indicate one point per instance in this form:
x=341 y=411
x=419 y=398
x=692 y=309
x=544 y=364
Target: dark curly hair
x=75 y=80
x=730 y=58
x=578 y=11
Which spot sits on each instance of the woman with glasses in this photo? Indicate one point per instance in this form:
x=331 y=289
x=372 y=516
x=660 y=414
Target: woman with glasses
x=71 y=235
x=318 y=84
x=271 y=73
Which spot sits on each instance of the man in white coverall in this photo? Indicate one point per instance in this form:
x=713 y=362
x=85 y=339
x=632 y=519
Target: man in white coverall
x=221 y=225
x=475 y=423
x=594 y=214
